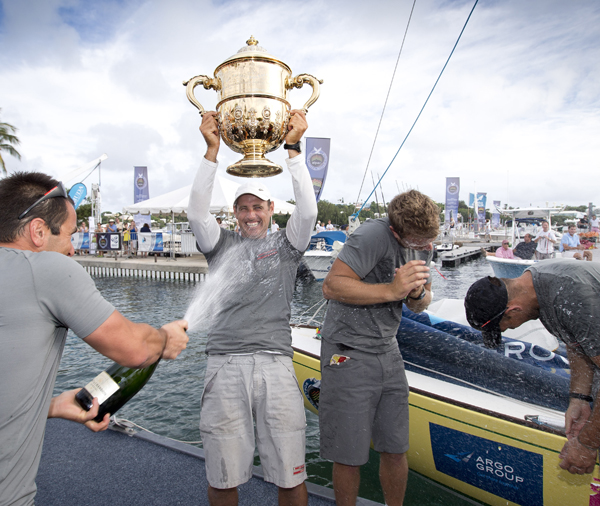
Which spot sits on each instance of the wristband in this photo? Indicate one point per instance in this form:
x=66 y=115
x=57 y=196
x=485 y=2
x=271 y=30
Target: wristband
x=296 y=147
x=586 y=446
x=421 y=296
x=583 y=397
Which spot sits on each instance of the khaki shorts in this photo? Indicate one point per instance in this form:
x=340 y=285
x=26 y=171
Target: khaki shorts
x=236 y=386
x=363 y=397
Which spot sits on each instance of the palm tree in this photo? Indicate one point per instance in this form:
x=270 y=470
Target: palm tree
x=7 y=140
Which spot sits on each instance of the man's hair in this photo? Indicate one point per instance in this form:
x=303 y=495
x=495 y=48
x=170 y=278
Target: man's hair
x=17 y=193
x=413 y=214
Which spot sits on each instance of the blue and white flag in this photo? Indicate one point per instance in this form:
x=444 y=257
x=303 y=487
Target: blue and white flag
x=452 y=192
x=77 y=193
x=317 y=161
x=141 y=190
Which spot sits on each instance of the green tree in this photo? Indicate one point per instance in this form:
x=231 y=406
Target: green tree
x=8 y=140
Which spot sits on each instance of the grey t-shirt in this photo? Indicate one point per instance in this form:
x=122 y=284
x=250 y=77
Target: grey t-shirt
x=255 y=314
x=568 y=293
x=373 y=253
x=42 y=295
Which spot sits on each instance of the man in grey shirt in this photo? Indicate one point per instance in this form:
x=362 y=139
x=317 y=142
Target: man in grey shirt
x=564 y=295
x=249 y=374
x=364 y=394
x=44 y=294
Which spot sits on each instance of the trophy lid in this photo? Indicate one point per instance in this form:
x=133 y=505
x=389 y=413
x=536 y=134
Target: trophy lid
x=252 y=50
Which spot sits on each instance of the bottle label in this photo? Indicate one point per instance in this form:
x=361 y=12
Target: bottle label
x=102 y=386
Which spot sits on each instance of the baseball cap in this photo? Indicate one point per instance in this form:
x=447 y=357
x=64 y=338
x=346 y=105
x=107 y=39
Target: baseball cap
x=253 y=188
x=485 y=304
x=505 y=241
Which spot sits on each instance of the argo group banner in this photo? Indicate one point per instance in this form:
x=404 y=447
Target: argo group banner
x=317 y=161
x=452 y=193
x=150 y=241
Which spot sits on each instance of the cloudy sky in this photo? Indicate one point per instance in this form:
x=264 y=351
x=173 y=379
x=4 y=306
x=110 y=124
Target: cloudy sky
x=516 y=113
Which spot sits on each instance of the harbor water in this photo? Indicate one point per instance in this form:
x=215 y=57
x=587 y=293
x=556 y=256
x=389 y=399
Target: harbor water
x=169 y=404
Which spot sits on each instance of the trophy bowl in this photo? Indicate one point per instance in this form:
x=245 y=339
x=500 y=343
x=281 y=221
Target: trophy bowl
x=252 y=110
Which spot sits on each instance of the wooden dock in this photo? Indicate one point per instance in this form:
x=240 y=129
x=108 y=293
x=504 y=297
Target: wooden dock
x=191 y=268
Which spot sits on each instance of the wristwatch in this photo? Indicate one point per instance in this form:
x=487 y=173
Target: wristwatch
x=420 y=297
x=295 y=147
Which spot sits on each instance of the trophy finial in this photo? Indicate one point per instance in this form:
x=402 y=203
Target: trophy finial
x=252 y=41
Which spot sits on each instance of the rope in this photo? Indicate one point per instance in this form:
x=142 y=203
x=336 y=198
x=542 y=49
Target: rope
x=385 y=103
x=422 y=108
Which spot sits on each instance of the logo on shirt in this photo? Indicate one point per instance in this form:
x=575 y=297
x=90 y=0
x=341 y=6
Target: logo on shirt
x=267 y=254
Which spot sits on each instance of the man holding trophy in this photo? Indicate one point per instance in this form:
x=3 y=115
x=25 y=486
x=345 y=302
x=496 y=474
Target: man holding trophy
x=249 y=367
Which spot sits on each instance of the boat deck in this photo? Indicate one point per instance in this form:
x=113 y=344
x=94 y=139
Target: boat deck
x=80 y=468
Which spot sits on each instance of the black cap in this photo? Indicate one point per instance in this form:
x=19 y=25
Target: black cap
x=485 y=304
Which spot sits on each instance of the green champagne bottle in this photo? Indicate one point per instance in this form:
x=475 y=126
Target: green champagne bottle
x=114 y=387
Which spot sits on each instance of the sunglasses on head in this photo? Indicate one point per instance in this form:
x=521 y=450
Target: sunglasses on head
x=497 y=316
x=57 y=191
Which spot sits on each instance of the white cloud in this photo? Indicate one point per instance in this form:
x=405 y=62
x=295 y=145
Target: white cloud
x=516 y=114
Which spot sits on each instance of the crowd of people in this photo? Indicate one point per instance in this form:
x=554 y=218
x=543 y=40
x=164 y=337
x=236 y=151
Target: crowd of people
x=251 y=398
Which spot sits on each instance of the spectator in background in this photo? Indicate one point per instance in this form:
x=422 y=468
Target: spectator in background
x=112 y=227
x=571 y=247
x=594 y=224
x=274 y=226
x=545 y=242
x=525 y=249
x=503 y=251
x=329 y=225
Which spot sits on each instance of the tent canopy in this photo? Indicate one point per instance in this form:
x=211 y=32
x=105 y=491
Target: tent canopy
x=176 y=202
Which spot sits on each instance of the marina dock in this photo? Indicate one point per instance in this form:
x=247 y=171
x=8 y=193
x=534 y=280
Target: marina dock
x=189 y=268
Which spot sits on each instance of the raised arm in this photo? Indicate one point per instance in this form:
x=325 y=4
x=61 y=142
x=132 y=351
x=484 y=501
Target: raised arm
x=302 y=221
x=205 y=227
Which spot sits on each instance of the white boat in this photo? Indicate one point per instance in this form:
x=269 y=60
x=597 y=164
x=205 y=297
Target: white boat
x=482 y=422
x=522 y=219
x=322 y=251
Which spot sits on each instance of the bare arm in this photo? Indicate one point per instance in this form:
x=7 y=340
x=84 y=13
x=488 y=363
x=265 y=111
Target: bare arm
x=344 y=285
x=582 y=425
x=137 y=344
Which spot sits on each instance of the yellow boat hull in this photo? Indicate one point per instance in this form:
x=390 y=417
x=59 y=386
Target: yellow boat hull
x=494 y=460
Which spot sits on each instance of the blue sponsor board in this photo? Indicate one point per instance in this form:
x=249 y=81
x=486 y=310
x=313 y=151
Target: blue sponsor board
x=157 y=241
x=503 y=470
x=81 y=240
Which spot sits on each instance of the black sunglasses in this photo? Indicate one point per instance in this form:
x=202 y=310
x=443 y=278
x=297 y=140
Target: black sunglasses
x=497 y=316
x=57 y=191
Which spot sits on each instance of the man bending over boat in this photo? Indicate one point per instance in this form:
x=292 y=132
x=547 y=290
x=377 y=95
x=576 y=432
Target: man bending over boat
x=565 y=296
x=364 y=393
x=249 y=369
x=44 y=293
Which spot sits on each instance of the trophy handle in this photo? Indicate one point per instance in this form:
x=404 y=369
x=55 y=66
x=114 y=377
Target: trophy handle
x=208 y=83
x=298 y=82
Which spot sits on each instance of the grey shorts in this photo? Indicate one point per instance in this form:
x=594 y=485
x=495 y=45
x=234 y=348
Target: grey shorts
x=238 y=391
x=363 y=398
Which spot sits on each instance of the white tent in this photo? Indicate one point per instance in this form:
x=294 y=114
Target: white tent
x=176 y=202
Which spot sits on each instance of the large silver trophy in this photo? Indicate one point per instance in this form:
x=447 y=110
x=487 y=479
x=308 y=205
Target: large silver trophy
x=252 y=110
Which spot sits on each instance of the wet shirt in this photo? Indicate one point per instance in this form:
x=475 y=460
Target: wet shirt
x=373 y=253
x=255 y=313
x=568 y=293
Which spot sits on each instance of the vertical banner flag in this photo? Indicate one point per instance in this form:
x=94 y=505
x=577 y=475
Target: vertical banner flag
x=471 y=200
x=452 y=191
x=141 y=191
x=481 y=202
x=317 y=161
x=496 y=214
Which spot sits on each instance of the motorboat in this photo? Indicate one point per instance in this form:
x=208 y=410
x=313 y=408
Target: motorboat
x=322 y=251
x=524 y=220
x=486 y=423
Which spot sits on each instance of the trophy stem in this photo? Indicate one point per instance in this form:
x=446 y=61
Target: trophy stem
x=254 y=163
